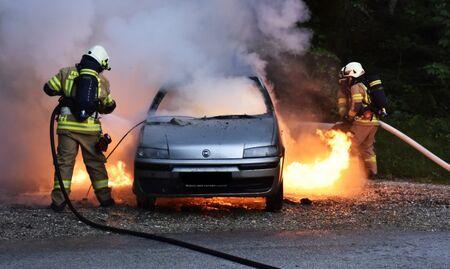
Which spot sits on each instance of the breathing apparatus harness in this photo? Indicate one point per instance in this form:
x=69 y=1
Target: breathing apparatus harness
x=117 y=230
x=376 y=96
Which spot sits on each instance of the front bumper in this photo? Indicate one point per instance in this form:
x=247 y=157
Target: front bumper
x=207 y=178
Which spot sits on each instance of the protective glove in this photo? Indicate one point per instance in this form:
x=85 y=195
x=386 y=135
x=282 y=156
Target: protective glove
x=382 y=113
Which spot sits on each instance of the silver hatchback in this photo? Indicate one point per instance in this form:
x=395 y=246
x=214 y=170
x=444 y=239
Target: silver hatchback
x=207 y=144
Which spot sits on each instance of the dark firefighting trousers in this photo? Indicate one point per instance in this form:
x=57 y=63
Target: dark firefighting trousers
x=68 y=144
x=363 y=143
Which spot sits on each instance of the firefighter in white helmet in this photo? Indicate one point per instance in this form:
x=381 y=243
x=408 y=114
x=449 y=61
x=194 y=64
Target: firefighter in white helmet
x=354 y=103
x=87 y=93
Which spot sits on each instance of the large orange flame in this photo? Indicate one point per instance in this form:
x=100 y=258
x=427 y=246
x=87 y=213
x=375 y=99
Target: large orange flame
x=118 y=176
x=327 y=173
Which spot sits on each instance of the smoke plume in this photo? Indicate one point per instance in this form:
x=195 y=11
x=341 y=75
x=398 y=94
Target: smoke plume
x=149 y=43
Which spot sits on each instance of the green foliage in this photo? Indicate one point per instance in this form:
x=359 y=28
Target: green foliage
x=408 y=44
x=438 y=70
x=397 y=159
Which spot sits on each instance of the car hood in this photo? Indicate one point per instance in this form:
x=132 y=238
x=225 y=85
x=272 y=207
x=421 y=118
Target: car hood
x=219 y=138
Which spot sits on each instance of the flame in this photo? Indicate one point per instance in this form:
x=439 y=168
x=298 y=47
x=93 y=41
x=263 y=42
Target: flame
x=321 y=175
x=118 y=176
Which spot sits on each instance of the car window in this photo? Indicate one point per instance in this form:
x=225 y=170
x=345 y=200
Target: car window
x=214 y=97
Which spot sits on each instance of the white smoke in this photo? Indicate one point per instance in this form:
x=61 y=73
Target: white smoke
x=149 y=43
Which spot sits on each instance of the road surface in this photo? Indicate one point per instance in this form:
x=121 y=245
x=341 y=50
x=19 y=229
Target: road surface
x=293 y=249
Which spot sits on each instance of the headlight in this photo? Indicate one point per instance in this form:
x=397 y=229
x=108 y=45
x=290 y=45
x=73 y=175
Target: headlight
x=152 y=153
x=270 y=151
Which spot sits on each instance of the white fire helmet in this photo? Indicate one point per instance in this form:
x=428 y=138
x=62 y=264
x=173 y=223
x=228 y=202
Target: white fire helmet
x=352 y=69
x=100 y=55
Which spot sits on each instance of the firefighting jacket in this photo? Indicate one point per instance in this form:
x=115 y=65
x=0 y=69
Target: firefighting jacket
x=62 y=84
x=351 y=103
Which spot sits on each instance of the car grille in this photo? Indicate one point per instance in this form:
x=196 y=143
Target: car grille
x=153 y=167
x=210 y=179
x=164 y=167
x=255 y=166
x=192 y=185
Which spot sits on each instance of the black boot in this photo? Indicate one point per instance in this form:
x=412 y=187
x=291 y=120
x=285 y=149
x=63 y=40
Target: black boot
x=107 y=203
x=58 y=208
x=104 y=197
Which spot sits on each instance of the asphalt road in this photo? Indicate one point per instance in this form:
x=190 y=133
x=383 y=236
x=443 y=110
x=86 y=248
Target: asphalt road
x=301 y=249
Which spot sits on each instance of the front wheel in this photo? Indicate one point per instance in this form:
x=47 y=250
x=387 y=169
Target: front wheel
x=147 y=203
x=274 y=203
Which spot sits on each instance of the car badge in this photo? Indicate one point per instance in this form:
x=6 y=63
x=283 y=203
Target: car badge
x=206 y=153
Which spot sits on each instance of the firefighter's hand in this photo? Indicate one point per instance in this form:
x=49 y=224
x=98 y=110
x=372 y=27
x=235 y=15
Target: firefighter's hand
x=382 y=113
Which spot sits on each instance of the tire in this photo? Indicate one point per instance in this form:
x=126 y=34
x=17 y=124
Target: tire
x=274 y=203
x=147 y=203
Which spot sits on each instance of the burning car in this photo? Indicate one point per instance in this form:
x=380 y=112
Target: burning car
x=210 y=139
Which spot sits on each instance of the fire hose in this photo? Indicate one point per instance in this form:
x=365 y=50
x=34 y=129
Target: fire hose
x=415 y=145
x=117 y=230
x=408 y=141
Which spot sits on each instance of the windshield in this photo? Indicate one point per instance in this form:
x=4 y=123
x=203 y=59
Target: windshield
x=214 y=97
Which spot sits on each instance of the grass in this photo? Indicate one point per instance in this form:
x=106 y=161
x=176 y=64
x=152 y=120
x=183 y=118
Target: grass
x=399 y=160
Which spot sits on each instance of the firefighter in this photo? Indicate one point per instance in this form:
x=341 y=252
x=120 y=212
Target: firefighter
x=84 y=134
x=354 y=107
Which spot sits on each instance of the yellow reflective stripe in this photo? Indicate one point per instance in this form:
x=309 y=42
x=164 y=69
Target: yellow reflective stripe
x=81 y=129
x=375 y=82
x=357 y=95
x=372 y=159
x=366 y=99
x=55 y=87
x=100 y=184
x=78 y=124
x=342 y=101
x=66 y=182
x=73 y=74
x=69 y=82
x=374 y=121
x=368 y=120
x=56 y=84
x=99 y=87
x=108 y=100
x=90 y=125
x=70 y=85
x=56 y=80
x=88 y=72
x=89 y=121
